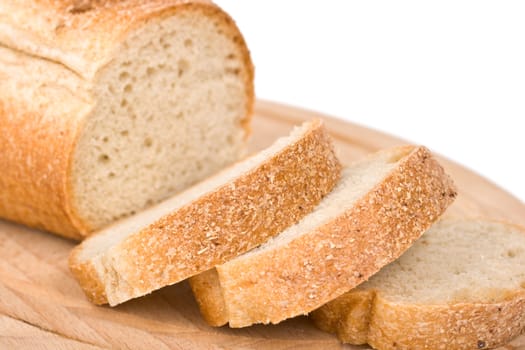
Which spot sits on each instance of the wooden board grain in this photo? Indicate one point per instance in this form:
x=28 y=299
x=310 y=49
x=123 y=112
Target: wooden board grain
x=41 y=306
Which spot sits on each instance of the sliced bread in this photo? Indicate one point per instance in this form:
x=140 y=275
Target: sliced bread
x=379 y=208
x=461 y=286
x=218 y=219
x=107 y=107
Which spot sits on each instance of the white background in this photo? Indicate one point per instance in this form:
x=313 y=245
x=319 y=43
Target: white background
x=446 y=74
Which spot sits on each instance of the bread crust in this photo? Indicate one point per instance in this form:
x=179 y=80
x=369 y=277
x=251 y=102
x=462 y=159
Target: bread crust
x=85 y=275
x=40 y=123
x=207 y=290
x=217 y=226
x=320 y=265
x=390 y=325
x=347 y=316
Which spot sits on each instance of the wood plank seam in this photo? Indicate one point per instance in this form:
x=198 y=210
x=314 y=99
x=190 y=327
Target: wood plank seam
x=50 y=331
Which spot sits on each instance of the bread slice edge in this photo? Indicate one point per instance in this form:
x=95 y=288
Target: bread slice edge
x=367 y=315
x=385 y=204
x=118 y=273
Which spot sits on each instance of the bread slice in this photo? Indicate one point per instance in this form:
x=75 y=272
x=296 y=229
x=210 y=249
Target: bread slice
x=379 y=208
x=210 y=223
x=461 y=286
x=107 y=107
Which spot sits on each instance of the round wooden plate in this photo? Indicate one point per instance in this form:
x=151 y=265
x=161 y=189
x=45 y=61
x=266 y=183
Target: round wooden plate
x=41 y=306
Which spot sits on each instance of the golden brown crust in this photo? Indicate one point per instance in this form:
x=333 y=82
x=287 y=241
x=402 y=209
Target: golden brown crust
x=208 y=294
x=318 y=266
x=390 y=325
x=348 y=316
x=224 y=223
x=37 y=139
x=86 y=276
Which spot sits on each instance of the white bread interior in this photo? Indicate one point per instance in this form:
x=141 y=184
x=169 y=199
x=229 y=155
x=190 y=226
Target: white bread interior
x=170 y=111
x=456 y=261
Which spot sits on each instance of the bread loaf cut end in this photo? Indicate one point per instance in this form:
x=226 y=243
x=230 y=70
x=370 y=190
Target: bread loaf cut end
x=173 y=108
x=108 y=107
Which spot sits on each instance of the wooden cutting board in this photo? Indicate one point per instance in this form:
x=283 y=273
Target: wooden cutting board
x=41 y=306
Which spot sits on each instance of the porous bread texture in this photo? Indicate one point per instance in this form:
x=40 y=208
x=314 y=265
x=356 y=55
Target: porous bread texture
x=216 y=220
x=111 y=107
x=171 y=112
x=379 y=208
x=461 y=286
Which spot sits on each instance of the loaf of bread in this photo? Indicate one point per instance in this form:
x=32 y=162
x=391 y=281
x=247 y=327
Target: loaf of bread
x=107 y=107
x=461 y=286
x=211 y=223
x=380 y=207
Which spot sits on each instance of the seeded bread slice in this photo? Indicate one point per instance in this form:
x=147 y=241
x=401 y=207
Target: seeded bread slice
x=461 y=286
x=379 y=208
x=220 y=218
